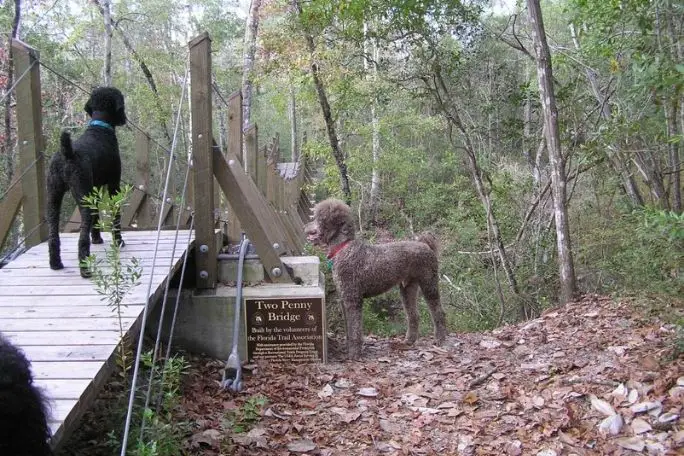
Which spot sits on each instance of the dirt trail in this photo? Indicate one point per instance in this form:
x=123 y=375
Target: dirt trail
x=590 y=378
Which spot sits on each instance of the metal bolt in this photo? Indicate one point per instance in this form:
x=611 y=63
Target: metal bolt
x=276 y=272
x=204 y=248
x=199 y=136
x=141 y=187
x=204 y=274
x=276 y=246
x=231 y=162
x=25 y=142
x=168 y=200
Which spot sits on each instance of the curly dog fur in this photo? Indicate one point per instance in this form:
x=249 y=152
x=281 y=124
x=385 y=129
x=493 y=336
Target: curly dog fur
x=92 y=160
x=362 y=270
x=24 y=428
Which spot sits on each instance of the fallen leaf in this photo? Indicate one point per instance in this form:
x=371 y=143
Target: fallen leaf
x=547 y=452
x=642 y=407
x=611 y=425
x=344 y=383
x=367 y=392
x=389 y=426
x=640 y=426
x=470 y=398
x=490 y=343
x=301 y=446
x=631 y=443
x=601 y=406
x=326 y=391
x=668 y=417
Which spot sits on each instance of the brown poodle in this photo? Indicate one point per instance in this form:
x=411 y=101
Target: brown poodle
x=361 y=270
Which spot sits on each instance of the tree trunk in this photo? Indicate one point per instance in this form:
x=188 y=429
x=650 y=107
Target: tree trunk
x=107 y=13
x=675 y=128
x=292 y=107
x=478 y=175
x=8 y=145
x=615 y=158
x=327 y=112
x=146 y=72
x=553 y=145
x=251 y=30
x=371 y=52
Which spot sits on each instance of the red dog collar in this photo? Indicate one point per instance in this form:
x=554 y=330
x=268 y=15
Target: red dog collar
x=335 y=250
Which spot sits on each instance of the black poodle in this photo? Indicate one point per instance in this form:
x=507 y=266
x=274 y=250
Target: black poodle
x=91 y=161
x=24 y=428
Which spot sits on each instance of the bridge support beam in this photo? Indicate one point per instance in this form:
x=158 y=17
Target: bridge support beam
x=202 y=162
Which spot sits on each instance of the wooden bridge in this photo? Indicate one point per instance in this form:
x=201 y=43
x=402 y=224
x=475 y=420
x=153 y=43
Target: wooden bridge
x=58 y=318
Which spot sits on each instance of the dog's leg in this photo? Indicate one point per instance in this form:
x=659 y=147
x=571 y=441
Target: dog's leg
x=113 y=190
x=430 y=289
x=56 y=191
x=84 y=236
x=95 y=231
x=353 y=318
x=409 y=297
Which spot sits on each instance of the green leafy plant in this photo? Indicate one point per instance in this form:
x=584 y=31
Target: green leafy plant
x=240 y=420
x=113 y=278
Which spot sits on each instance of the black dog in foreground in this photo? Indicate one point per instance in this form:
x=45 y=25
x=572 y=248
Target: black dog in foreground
x=92 y=160
x=24 y=428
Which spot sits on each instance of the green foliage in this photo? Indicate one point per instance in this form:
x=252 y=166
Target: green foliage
x=638 y=252
x=163 y=434
x=242 y=419
x=113 y=278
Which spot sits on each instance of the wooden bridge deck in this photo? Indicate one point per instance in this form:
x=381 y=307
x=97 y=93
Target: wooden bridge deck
x=64 y=327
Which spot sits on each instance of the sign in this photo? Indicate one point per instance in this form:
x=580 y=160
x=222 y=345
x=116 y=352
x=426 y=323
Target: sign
x=285 y=330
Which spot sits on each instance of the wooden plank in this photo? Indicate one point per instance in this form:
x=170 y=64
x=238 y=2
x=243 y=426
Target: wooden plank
x=61 y=312
x=202 y=151
x=69 y=353
x=59 y=409
x=63 y=388
x=56 y=370
x=30 y=141
x=49 y=278
x=9 y=207
x=29 y=338
x=76 y=324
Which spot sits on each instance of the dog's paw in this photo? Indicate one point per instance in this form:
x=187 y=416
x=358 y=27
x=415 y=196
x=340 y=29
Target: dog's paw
x=97 y=240
x=56 y=265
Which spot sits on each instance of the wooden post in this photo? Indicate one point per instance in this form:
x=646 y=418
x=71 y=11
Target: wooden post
x=9 y=207
x=251 y=151
x=262 y=170
x=202 y=151
x=31 y=141
x=261 y=223
x=139 y=207
x=235 y=147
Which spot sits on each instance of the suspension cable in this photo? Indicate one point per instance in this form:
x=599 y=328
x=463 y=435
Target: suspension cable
x=16 y=180
x=131 y=398
x=167 y=286
x=11 y=89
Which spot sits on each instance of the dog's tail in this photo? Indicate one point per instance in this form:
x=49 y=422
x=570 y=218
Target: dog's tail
x=65 y=142
x=430 y=239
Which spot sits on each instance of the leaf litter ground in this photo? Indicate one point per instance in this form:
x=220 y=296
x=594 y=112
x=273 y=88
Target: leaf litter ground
x=594 y=377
